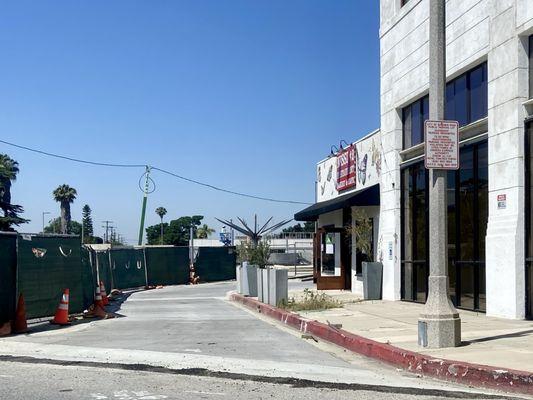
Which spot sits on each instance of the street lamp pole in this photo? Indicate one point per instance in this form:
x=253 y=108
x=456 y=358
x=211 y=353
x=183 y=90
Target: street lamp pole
x=439 y=324
x=44 y=213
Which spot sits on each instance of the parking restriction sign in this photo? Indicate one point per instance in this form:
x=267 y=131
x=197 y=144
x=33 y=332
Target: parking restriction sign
x=441 y=144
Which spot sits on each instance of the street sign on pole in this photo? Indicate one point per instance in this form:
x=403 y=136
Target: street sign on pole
x=441 y=144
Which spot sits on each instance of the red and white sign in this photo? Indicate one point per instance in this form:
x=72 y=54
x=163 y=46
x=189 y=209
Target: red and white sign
x=346 y=168
x=502 y=201
x=442 y=144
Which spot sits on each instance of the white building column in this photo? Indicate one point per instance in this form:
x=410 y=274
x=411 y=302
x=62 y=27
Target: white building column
x=389 y=243
x=505 y=241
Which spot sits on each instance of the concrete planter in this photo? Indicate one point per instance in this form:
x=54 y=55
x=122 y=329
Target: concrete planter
x=372 y=280
x=278 y=289
x=262 y=284
x=238 y=275
x=248 y=279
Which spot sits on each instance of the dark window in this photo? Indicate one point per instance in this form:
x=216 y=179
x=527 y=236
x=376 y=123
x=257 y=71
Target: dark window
x=529 y=220
x=478 y=93
x=415 y=202
x=404 y=2
x=413 y=117
x=531 y=67
x=466 y=96
x=467 y=200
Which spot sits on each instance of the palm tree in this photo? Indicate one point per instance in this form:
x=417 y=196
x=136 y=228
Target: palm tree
x=204 y=231
x=161 y=211
x=65 y=195
x=9 y=169
x=8 y=173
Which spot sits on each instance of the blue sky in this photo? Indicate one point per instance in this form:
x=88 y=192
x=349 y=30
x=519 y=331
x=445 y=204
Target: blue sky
x=243 y=94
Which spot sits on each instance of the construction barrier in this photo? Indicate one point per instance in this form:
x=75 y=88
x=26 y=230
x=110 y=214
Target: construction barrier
x=216 y=263
x=8 y=273
x=88 y=276
x=42 y=267
x=105 y=274
x=128 y=269
x=167 y=265
x=46 y=265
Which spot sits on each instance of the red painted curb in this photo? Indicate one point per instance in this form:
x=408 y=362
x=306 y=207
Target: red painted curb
x=455 y=371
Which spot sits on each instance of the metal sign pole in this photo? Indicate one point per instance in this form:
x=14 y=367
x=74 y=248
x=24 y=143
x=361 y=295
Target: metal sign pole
x=439 y=324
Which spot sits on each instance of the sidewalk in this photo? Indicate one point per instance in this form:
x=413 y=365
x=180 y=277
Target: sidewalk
x=495 y=353
x=490 y=341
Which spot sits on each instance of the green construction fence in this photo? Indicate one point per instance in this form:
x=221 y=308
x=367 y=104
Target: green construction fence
x=42 y=266
x=167 y=265
x=216 y=263
x=8 y=273
x=46 y=265
x=127 y=266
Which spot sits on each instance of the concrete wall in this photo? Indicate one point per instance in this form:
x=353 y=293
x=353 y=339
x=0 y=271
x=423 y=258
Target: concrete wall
x=477 y=31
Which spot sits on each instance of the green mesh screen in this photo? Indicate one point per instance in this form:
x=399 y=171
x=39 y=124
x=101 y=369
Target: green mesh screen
x=88 y=277
x=128 y=268
x=46 y=266
x=104 y=270
x=8 y=268
x=167 y=265
x=216 y=263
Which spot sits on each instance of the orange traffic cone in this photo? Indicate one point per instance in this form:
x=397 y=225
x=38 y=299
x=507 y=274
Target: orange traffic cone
x=105 y=300
x=5 y=329
x=99 y=312
x=98 y=298
x=20 y=325
x=61 y=317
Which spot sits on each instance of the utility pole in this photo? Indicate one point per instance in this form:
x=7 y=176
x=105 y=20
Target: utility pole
x=439 y=324
x=145 y=199
x=107 y=226
x=191 y=248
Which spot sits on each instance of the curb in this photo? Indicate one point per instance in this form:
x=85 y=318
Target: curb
x=477 y=375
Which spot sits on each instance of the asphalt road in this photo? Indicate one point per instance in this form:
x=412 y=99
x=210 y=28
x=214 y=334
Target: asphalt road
x=20 y=381
x=188 y=342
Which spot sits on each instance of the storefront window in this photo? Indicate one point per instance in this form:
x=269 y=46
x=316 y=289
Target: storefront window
x=331 y=254
x=466 y=96
x=529 y=221
x=414 y=217
x=413 y=117
x=531 y=67
x=467 y=201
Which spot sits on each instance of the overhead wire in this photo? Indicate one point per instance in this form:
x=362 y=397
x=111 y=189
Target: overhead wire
x=105 y=164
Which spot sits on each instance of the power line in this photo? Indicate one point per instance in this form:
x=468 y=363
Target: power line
x=72 y=158
x=154 y=168
x=227 y=190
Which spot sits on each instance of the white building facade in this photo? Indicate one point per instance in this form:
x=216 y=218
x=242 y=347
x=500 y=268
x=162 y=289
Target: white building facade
x=489 y=91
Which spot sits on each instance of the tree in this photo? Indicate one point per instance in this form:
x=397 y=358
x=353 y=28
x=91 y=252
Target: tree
x=176 y=233
x=87 y=222
x=161 y=211
x=8 y=173
x=55 y=227
x=254 y=254
x=65 y=195
x=308 y=226
x=204 y=231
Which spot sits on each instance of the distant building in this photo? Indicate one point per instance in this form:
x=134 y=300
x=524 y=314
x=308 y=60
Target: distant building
x=490 y=93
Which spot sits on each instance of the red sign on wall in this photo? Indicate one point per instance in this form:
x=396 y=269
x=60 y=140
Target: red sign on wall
x=346 y=168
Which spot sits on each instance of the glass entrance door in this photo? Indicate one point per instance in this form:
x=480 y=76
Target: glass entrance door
x=467 y=201
x=330 y=269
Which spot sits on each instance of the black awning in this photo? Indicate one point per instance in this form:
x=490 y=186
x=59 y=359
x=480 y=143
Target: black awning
x=366 y=197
